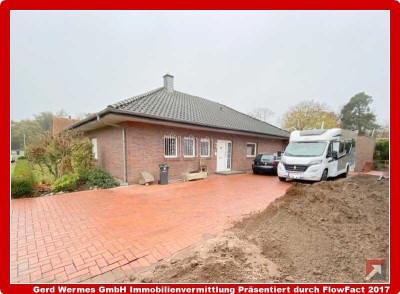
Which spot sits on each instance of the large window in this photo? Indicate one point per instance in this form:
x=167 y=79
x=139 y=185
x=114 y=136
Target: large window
x=94 y=147
x=251 y=149
x=170 y=146
x=204 y=147
x=188 y=147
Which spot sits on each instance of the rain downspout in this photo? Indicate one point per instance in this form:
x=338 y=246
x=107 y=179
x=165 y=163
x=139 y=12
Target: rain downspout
x=125 y=172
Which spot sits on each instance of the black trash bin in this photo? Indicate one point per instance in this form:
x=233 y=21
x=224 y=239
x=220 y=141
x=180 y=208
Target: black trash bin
x=163 y=174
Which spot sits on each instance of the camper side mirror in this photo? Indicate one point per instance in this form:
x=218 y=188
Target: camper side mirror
x=334 y=155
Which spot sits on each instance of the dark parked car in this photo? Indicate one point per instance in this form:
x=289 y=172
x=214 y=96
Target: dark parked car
x=265 y=163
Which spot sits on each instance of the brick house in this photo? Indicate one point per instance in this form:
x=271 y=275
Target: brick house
x=168 y=126
x=62 y=123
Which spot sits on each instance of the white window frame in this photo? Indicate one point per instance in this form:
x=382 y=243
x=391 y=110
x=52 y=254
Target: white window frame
x=205 y=140
x=255 y=149
x=170 y=137
x=188 y=139
x=94 y=147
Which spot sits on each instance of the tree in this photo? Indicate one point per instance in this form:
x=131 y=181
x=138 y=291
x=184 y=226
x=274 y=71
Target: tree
x=308 y=115
x=45 y=120
x=23 y=132
x=62 y=113
x=262 y=113
x=83 y=115
x=357 y=115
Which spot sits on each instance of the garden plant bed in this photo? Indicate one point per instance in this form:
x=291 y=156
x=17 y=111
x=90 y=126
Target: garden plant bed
x=314 y=233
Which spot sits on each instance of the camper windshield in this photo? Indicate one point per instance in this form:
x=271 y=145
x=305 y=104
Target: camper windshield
x=305 y=149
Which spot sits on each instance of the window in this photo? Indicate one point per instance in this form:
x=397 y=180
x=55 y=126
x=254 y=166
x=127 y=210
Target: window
x=265 y=158
x=305 y=149
x=341 y=147
x=329 y=152
x=188 y=147
x=205 y=147
x=251 y=150
x=348 y=147
x=170 y=146
x=94 y=147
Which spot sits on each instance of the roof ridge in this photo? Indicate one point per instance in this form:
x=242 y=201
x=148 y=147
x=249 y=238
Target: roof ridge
x=235 y=111
x=134 y=98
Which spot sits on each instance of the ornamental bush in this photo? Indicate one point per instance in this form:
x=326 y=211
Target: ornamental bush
x=82 y=158
x=99 y=178
x=65 y=183
x=62 y=153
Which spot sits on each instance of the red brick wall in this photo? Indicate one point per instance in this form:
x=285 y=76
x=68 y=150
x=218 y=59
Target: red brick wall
x=365 y=148
x=109 y=149
x=145 y=150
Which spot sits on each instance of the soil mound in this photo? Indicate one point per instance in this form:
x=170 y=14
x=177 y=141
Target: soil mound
x=314 y=233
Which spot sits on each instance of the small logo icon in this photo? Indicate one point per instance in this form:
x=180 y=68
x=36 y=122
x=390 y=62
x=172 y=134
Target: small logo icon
x=375 y=269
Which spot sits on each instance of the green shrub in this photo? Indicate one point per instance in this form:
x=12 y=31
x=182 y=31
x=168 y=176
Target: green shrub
x=82 y=156
x=65 y=183
x=376 y=165
x=382 y=150
x=99 y=178
x=22 y=157
x=22 y=180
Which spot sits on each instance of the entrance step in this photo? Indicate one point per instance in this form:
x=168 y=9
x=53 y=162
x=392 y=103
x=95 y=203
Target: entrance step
x=230 y=172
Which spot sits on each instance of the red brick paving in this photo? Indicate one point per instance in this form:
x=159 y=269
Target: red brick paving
x=102 y=235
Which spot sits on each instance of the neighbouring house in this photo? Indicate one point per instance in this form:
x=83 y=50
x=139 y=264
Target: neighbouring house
x=179 y=129
x=62 y=123
x=18 y=152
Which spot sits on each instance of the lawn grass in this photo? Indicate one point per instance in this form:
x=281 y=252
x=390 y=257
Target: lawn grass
x=12 y=167
x=22 y=179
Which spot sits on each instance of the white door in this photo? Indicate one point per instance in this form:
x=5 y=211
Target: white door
x=224 y=154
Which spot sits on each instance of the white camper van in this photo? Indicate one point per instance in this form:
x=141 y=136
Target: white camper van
x=317 y=155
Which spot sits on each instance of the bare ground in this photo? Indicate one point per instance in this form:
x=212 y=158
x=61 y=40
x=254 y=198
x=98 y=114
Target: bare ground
x=314 y=233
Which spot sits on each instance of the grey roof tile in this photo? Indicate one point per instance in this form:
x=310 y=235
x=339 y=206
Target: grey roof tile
x=178 y=106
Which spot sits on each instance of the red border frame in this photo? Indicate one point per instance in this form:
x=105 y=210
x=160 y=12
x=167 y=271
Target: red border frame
x=8 y=5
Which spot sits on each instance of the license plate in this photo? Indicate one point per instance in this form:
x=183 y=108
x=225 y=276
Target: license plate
x=294 y=175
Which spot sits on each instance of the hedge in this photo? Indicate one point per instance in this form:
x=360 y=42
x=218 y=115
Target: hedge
x=22 y=180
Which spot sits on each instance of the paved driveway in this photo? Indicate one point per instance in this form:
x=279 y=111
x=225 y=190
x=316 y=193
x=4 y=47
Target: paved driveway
x=105 y=235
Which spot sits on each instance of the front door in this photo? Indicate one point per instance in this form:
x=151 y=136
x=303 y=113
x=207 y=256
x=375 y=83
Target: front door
x=224 y=155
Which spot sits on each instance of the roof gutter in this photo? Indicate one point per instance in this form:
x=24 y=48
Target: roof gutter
x=124 y=164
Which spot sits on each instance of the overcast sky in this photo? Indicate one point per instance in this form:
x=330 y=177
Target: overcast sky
x=82 y=61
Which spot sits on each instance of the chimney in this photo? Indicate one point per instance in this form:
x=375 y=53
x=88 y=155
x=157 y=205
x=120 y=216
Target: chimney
x=169 y=82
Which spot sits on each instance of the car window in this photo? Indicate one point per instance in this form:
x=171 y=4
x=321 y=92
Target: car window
x=267 y=158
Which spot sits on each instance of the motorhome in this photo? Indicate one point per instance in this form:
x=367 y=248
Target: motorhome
x=317 y=155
